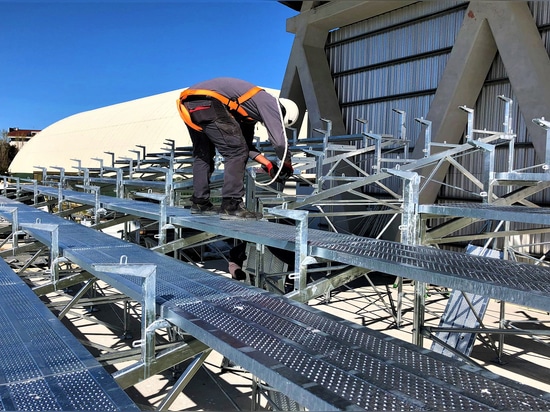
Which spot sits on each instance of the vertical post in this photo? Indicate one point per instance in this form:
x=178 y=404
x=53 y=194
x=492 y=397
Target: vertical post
x=35 y=191
x=508 y=131
x=112 y=158
x=470 y=126
x=148 y=289
x=86 y=176
x=364 y=131
x=169 y=181
x=15 y=227
x=301 y=250
x=78 y=166
x=326 y=133
x=138 y=163
x=119 y=185
x=488 y=171
x=427 y=135
x=148 y=273
x=410 y=235
x=163 y=221
x=301 y=256
x=377 y=151
x=545 y=125
x=321 y=158
x=44 y=173
x=14 y=223
x=403 y=131
x=100 y=165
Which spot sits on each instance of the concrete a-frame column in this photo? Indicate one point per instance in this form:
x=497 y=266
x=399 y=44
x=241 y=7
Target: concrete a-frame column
x=308 y=79
x=527 y=64
x=509 y=28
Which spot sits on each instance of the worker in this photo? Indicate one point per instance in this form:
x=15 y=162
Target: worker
x=221 y=114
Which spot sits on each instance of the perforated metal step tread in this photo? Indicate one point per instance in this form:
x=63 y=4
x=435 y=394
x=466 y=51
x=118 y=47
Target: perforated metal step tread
x=322 y=362
x=513 y=282
x=42 y=365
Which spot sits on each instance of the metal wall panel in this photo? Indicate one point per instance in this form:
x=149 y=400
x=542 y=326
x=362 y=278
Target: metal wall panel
x=396 y=17
x=395 y=61
x=392 y=60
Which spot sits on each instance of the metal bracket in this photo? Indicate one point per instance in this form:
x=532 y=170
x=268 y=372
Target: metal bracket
x=55 y=257
x=301 y=259
x=148 y=273
x=163 y=223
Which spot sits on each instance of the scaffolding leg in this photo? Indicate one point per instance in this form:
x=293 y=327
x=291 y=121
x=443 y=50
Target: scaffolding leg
x=184 y=379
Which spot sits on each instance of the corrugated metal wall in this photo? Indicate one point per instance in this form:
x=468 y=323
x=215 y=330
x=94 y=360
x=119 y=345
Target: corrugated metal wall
x=392 y=61
x=395 y=61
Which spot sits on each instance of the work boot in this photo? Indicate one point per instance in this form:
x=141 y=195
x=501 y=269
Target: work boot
x=232 y=209
x=207 y=209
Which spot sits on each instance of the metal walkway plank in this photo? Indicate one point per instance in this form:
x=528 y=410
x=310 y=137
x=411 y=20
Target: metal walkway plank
x=320 y=361
x=513 y=282
x=42 y=365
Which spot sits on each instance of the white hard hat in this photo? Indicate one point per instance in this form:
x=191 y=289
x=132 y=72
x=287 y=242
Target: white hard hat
x=290 y=111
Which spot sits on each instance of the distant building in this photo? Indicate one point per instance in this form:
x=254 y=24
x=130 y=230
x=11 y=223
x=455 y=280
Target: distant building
x=18 y=137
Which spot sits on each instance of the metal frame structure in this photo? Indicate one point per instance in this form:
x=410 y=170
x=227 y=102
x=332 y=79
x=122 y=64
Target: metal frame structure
x=319 y=165
x=198 y=303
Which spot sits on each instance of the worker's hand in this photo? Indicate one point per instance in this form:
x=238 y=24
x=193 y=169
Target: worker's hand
x=271 y=169
x=286 y=171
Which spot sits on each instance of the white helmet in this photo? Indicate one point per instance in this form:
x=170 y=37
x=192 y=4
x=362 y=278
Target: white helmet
x=290 y=111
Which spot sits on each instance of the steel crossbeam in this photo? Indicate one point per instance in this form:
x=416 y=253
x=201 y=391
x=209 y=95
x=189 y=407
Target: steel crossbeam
x=485 y=211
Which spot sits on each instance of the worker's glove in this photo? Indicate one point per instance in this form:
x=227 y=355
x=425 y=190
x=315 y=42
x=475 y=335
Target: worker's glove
x=236 y=271
x=271 y=169
x=286 y=171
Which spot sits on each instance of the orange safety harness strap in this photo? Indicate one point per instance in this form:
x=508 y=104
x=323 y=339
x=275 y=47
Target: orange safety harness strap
x=232 y=104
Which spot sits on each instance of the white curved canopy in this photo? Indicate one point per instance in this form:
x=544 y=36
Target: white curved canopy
x=118 y=129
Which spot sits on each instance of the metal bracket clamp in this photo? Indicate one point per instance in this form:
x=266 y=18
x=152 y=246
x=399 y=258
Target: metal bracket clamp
x=427 y=135
x=410 y=235
x=148 y=273
x=14 y=223
x=163 y=218
x=119 y=188
x=301 y=258
x=100 y=160
x=55 y=257
x=470 y=126
x=409 y=225
x=44 y=173
x=488 y=168
x=326 y=133
x=98 y=208
x=545 y=124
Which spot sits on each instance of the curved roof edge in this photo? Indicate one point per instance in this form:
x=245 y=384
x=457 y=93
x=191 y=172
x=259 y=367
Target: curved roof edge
x=86 y=137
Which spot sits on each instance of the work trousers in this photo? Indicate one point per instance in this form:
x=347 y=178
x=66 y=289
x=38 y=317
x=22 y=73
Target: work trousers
x=220 y=130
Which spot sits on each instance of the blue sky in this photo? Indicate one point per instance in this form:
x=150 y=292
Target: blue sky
x=67 y=56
